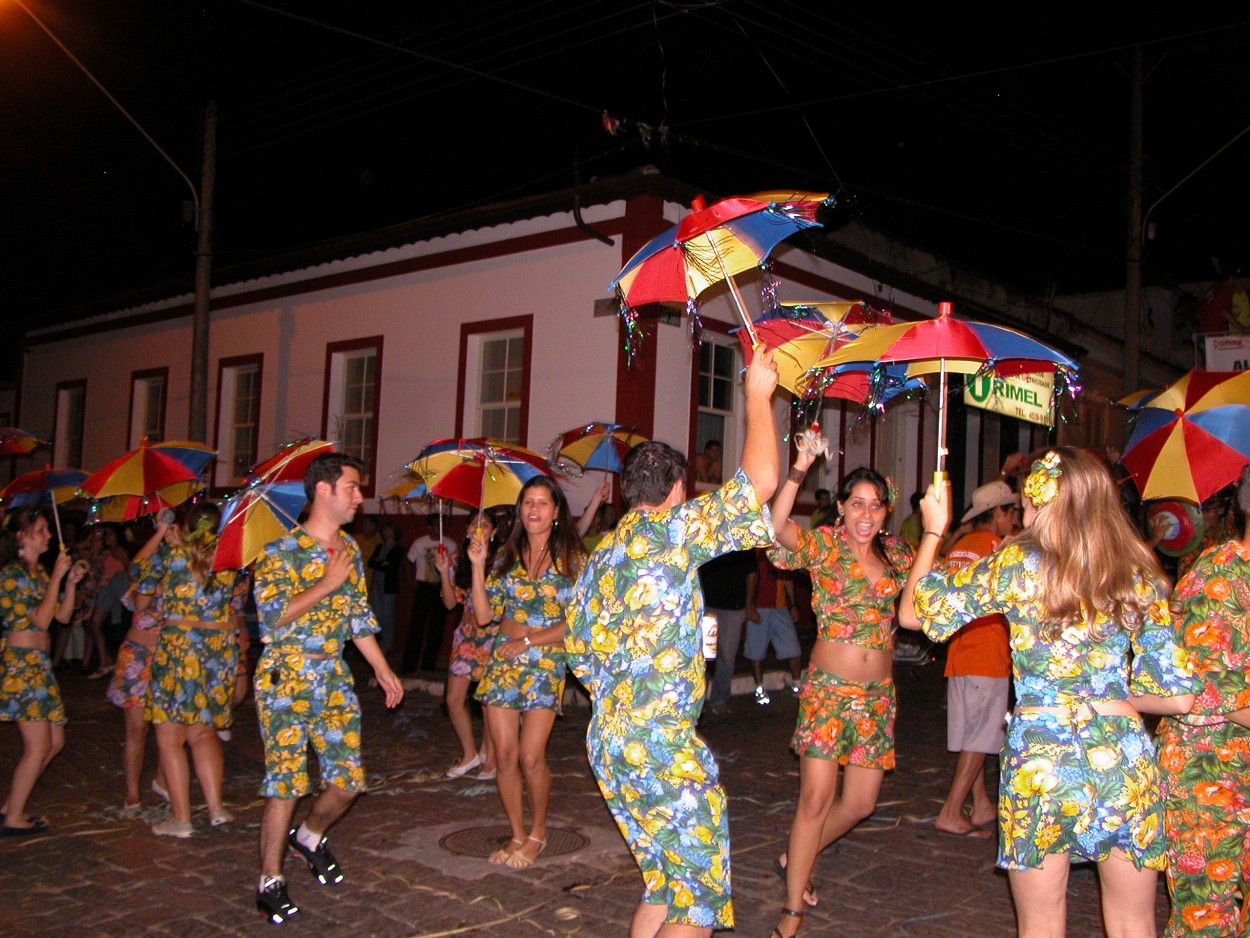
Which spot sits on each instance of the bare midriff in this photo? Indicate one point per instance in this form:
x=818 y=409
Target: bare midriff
x=853 y=662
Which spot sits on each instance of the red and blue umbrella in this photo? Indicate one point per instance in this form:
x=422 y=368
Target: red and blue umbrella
x=17 y=442
x=479 y=472
x=713 y=244
x=596 y=445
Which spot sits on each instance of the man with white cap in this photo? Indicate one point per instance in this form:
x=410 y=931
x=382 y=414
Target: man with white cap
x=978 y=666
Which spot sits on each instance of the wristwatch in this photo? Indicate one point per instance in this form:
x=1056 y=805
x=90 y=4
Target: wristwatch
x=528 y=643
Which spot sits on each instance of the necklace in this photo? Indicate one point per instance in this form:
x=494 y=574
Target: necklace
x=534 y=563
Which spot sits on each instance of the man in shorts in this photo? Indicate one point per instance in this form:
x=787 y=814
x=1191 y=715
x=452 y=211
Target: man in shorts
x=310 y=595
x=978 y=668
x=770 y=617
x=633 y=640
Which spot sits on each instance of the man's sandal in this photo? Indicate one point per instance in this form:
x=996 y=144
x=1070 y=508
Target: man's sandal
x=501 y=855
x=519 y=861
x=809 y=891
x=777 y=931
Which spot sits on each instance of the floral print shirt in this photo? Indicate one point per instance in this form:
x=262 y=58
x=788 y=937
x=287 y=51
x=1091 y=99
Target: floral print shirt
x=288 y=567
x=168 y=571
x=1076 y=667
x=533 y=603
x=21 y=592
x=849 y=607
x=1211 y=612
x=633 y=625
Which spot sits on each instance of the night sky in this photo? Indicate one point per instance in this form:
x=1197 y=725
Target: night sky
x=998 y=140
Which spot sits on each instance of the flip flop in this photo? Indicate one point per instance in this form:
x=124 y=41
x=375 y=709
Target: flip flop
x=977 y=833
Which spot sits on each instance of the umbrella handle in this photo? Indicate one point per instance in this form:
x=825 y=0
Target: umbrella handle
x=733 y=291
x=56 y=517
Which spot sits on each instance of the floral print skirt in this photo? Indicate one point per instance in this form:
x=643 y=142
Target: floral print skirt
x=533 y=680
x=470 y=649
x=849 y=721
x=1078 y=784
x=28 y=689
x=131 y=674
x=193 y=672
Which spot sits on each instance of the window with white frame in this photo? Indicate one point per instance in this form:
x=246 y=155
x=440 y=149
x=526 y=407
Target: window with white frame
x=719 y=365
x=71 y=406
x=147 y=405
x=238 y=417
x=354 y=372
x=495 y=373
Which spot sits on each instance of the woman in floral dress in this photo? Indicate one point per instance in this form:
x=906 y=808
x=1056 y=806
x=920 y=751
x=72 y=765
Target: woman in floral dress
x=1205 y=754
x=194 y=664
x=29 y=694
x=846 y=702
x=527 y=590
x=1082 y=595
x=470 y=647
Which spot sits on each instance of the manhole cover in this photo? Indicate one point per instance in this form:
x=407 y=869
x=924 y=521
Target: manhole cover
x=483 y=841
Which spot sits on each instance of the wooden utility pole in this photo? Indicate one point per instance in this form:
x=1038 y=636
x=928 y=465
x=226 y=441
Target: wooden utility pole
x=197 y=419
x=1133 y=289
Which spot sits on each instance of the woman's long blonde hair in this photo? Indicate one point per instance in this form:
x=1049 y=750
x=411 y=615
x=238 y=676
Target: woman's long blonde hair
x=1092 y=556
x=199 y=537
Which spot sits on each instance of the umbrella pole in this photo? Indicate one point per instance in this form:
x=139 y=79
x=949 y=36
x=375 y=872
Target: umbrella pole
x=939 y=475
x=733 y=291
x=56 y=517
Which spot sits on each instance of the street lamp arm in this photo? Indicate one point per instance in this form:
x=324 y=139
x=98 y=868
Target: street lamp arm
x=195 y=196
x=1155 y=204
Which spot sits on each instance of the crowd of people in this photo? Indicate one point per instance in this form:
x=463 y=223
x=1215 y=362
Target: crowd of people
x=1047 y=581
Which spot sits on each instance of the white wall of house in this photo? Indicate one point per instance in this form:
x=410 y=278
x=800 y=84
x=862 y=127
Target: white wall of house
x=419 y=315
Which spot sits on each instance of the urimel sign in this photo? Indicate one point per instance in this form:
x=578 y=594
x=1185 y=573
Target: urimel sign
x=1026 y=397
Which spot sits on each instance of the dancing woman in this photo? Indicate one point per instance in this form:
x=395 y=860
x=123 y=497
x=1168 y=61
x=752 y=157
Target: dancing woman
x=29 y=694
x=527 y=589
x=1082 y=596
x=194 y=664
x=847 y=702
x=470 y=647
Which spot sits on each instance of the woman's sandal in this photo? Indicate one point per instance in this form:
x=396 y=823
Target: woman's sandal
x=518 y=860
x=809 y=890
x=777 y=930
x=501 y=855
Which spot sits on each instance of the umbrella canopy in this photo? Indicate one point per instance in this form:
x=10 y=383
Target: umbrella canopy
x=479 y=472
x=1192 y=438
x=16 y=442
x=290 y=462
x=596 y=445
x=128 y=507
x=42 y=487
x=945 y=344
x=255 y=516
x=712 y=244
x=149 y=468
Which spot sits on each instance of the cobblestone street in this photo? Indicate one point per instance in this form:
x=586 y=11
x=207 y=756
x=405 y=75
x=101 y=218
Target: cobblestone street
x=97 y=874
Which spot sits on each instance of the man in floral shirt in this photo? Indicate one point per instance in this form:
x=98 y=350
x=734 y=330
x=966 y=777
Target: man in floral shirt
x=633 y=640
x=1205 y=754
x=310 y=594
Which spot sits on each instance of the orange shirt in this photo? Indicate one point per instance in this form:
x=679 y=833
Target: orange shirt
x=980 y=647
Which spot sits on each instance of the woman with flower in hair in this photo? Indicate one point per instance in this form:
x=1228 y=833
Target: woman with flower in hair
x=1092 y=648
x=527 y=590
x=29 y=696
x=846 y=702
x=194 y=663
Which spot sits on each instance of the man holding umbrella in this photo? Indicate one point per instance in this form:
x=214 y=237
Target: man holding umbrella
x=310 y=593
x=634 y=641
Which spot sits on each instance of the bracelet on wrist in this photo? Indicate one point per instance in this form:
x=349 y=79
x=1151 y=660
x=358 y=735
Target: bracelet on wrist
x=528 y=643
x=937 y=534
x=796 y=475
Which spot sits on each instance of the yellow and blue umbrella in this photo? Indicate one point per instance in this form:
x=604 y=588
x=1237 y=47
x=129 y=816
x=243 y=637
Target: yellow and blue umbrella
x=595 y=445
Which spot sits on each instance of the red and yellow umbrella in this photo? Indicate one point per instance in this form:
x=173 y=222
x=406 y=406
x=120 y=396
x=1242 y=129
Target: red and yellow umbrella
x=479 y=472
x=16 y=442
x=1192 y=438
x=149 y=469
x=595 y=445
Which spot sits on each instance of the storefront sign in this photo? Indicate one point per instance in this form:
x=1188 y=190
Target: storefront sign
x=1228 y=353
x=1025 y=397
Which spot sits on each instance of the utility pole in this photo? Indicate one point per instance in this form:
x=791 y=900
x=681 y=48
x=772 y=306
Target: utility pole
x=1133 y=289
x=197 y=418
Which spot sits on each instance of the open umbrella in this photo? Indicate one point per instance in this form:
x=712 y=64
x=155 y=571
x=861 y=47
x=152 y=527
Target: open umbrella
x=711 y=244
x=40 y=486
x=945 y=344
x=149 y=468
x=595 y=445
x=1193 y=437
x=480 y=472
x=116 y=508
x=268 y=506
x=16 y=442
